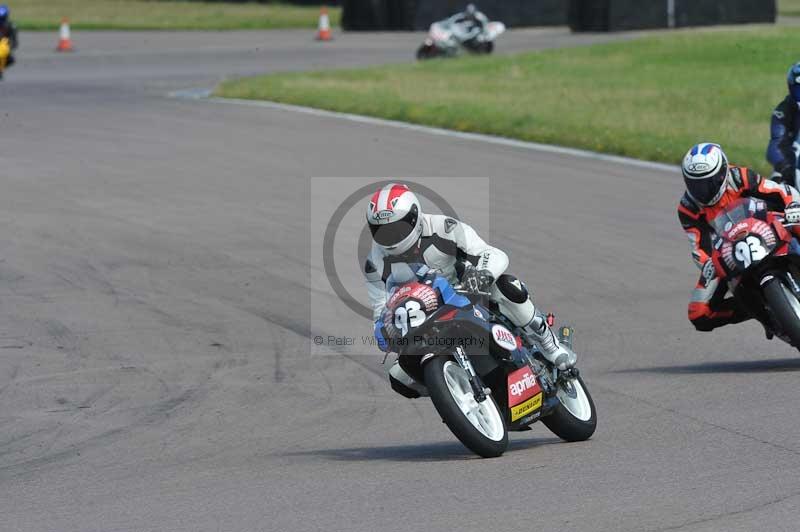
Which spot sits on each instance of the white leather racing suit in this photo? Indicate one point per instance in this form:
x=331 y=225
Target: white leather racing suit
x=443 y=243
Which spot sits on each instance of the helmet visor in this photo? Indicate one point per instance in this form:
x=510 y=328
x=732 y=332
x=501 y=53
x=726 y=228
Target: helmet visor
x=794 y=90
x=706 y=190
x=393 y=233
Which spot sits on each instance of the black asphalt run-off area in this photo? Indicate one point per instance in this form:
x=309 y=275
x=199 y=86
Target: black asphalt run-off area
x=154 y=355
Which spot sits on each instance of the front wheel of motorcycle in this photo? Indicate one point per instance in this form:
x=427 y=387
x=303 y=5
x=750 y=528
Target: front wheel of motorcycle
x=575 y=417
x=785 y=308
x=479 y=426
x=426 y=52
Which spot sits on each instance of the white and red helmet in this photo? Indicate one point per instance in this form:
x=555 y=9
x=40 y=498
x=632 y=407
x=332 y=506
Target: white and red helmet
x=394 y=218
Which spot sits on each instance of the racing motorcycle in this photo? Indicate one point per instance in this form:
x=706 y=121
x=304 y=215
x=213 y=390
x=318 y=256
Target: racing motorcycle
x=448 y=37
x=483 y=377
x=756 y=252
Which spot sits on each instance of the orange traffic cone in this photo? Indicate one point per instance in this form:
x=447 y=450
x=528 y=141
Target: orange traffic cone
x=324 y=31
x=64 y=40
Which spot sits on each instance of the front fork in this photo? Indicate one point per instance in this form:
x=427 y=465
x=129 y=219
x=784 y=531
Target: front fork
x=478 y=388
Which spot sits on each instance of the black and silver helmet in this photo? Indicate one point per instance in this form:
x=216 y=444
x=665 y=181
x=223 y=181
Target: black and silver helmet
x=705 y=170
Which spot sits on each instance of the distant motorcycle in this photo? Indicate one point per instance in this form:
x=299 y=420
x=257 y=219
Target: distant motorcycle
x=482 y=375
x=448 y=37
x=5 y=53
x=758 y=254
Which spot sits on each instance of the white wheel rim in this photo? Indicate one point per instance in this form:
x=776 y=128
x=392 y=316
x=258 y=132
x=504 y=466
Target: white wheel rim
x=792 y=299
x=573 y=397
x=484 y=416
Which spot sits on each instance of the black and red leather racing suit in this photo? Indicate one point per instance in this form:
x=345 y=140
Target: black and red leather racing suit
x=709 y=308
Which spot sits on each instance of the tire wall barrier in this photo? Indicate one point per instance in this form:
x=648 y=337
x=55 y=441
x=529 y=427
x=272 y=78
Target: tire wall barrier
x=581 y=15
x=620 y=15
x=410 y=15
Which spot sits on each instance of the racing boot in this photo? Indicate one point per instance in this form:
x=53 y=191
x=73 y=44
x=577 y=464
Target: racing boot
x=558 y=354
x=404 y=384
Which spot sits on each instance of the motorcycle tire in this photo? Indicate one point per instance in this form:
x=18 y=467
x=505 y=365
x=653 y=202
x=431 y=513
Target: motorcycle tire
x=426 y=52
x=448 y=385
x=785 y=308
x=569 y=426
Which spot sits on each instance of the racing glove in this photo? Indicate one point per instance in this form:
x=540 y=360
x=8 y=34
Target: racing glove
x=791 y=213
x=475 y=281
x=709 y=271
x=787 y=171
x=380 y=336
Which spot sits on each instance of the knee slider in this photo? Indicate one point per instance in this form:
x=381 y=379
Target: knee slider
x=703 y=324
x=512 y=288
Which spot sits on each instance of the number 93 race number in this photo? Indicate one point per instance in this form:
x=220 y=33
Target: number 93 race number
x=750 y=250
x=408 y=315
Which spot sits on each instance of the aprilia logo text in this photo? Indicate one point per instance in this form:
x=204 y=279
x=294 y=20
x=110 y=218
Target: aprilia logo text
x=518 y=388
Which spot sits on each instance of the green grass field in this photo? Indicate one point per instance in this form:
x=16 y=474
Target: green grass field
x=163 y=15
x=789 y=7
x=650 y=99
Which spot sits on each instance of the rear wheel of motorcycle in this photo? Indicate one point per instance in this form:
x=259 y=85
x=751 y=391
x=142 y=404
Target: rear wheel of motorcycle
x=575 y=418
x=479 y=426
x=785 y=308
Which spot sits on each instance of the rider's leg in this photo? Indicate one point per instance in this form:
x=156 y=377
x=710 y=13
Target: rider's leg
x=708 y=308
x=404 y=384
x=512 y=297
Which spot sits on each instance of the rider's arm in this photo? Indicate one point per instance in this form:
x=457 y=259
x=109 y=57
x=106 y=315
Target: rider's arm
x=698 y=232
x=12 y=36
x=482 y=19
x=775 y=194
x=779 y=149
x=473 y=248
x=376 y=287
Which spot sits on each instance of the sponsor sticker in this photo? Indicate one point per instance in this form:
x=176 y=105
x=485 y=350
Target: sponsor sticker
x=699 y=167
x=522 y=385
x=504 y=338
x=384 y=215
x=526 y=408
x=398 y=294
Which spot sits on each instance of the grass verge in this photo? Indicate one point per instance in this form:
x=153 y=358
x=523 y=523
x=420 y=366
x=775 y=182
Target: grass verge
x=650 y=99
x=789 y=7
x=164 y=15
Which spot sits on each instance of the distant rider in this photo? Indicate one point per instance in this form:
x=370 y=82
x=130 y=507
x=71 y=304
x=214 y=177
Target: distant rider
x=711 y=185
x=8 y=30
x=784 y=130
x=402 y=233
x=474 y=22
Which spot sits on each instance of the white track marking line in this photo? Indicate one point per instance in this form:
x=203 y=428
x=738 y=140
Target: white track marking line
x=205 y=95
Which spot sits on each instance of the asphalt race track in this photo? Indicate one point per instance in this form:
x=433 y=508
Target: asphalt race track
x=154 y=320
